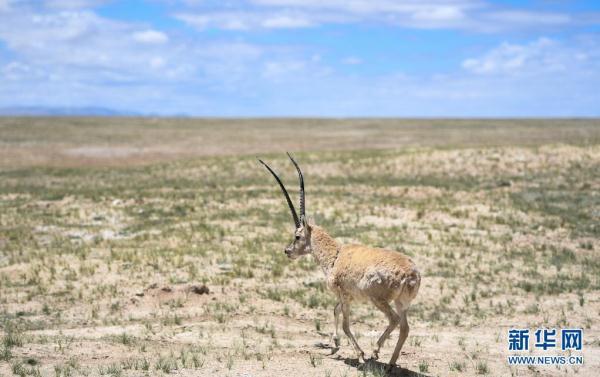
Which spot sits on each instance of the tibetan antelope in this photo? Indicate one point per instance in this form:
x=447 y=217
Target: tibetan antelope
x=356 y=273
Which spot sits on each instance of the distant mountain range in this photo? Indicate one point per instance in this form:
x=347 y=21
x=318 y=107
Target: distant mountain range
x=62 y=111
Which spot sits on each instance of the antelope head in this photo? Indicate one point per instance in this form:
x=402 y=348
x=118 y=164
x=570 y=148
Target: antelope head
x=300 y=245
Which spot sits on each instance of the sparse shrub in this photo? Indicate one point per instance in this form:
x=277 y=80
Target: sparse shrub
x=458 y=366
x=423 y=366
x=166 y=364
x=5 y=353
x=481 y=367
x=125 y=339
x=13 y=337
x=315 y=360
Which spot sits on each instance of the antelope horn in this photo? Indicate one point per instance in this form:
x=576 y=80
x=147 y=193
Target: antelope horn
x=302 y=196
x=285 y=193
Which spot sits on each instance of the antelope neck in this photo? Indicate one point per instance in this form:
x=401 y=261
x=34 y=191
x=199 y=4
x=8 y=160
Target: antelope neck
x=324 y=248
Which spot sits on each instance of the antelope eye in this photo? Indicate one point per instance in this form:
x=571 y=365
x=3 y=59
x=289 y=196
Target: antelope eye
x=297 y=237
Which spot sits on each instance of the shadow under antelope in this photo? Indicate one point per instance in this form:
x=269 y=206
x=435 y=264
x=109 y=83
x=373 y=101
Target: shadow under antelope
x=356 y=273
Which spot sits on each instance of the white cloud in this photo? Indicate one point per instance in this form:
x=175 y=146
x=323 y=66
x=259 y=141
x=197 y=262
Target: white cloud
x=157 y=62
x=352 y=60
x=80 y=46
x=285 y=21
x=150 y=37
x=4 y=5
x=227 y=21
x=16 y=71
x=299 y=14
x=73 y=4
x=474 y=15
x=278 y=69
x=447 y=7
x=539 y=56
x=73 y=37
x=530 y=18
x=439 y=13
x=84 y=59
x=80 y=58
x=245 y=20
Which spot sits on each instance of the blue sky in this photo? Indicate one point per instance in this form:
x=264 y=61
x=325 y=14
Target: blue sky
x=335 y=58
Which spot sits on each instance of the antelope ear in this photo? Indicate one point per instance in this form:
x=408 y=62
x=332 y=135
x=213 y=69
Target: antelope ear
x=305 y=223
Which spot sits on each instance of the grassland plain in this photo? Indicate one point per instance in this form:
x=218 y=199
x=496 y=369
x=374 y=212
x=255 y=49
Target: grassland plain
x=108 y=226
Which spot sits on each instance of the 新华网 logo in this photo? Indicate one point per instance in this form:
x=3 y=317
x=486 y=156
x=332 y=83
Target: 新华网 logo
x=545 y=339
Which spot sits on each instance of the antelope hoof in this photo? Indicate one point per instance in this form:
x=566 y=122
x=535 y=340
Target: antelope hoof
x=361 y=357
x=336 y=344
x=375 y=355
x=335 y=340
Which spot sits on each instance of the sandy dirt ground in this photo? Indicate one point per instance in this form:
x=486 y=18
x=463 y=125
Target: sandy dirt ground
x=118 y=262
